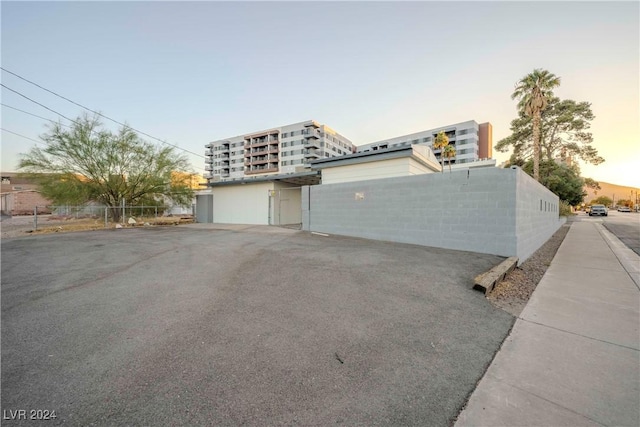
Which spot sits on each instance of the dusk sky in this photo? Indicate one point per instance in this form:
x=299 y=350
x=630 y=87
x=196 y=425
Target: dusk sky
x=191 y=73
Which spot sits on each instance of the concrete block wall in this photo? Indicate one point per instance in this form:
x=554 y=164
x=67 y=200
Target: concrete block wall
x=537 y=211
x=487 y=210
x=463 y=210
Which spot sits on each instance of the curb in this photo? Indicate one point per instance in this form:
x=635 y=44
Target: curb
x=486 y=281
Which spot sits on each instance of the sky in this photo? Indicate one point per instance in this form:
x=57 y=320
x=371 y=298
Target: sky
x=193 y=72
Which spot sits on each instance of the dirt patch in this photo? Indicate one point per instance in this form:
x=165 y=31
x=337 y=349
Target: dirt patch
x=513 y=293
x=24 y=226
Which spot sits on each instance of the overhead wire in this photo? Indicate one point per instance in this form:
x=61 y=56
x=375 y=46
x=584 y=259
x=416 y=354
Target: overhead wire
x=74 y=121
x=31 y=114
x=36 y=102
x=20 y=135
x=98 y=113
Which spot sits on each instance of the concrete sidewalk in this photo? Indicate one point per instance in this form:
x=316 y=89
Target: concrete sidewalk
x=573 y=356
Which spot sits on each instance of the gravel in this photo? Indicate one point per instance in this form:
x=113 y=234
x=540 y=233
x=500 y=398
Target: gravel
x=515 y=290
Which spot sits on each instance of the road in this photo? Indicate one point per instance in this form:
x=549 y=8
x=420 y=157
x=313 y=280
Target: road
x=625 y=225
x=261 y=326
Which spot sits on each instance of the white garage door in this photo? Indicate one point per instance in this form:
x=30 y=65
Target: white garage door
x=242 y=204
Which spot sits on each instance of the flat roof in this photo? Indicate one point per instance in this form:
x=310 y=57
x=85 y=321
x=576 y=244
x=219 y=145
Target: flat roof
x=362 y=157
x=418 y=152
x=298 y=178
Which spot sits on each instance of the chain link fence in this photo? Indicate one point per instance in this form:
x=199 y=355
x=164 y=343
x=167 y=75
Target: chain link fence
x=104 y=216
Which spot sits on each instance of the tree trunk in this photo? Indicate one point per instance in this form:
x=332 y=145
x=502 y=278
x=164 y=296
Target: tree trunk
x=116 y=212
x=536 y=145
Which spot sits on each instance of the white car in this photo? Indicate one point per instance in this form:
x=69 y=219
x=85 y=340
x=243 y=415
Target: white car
x=598 y=210
x=624 y=209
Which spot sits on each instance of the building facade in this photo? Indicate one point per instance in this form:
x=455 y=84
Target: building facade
x=471 y=140
x=20 y=194
x=415 y=159
x=282 y=150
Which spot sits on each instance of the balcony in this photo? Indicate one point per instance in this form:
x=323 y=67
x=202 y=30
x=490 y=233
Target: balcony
x=311 y=154
x=312 y=133
x=258 y=161
x=261 y=141
x=261 y=169
x=208 y=167
x=255 y=152
x=208 y=152
x=312 y=143
x=261 y=159
x=255 y=144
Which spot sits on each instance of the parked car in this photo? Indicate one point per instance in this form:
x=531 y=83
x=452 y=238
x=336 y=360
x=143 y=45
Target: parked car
x=599 y=210
x=624 y=209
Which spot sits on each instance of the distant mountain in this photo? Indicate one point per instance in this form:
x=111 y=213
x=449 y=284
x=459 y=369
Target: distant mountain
x=612 y=191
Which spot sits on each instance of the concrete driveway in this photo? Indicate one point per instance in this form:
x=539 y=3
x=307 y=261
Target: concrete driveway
x=255 y=326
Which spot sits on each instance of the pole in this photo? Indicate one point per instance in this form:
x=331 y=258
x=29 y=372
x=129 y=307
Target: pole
x=123 y=210
x=105 y=216
x=35 y=218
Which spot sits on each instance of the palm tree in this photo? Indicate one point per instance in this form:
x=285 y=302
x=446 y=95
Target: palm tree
x=534 y=92
x=439 y=143
x=449 y=151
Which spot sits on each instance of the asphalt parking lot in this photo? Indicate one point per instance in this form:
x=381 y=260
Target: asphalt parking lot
x=256 y=326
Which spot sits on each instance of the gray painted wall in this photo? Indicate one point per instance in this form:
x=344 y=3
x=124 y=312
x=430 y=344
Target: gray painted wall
x=487 y=210
x=286 y=203
x=537 y=211
x=204 y=208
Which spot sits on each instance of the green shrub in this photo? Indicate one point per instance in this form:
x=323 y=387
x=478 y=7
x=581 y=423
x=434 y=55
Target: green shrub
x=565 y=209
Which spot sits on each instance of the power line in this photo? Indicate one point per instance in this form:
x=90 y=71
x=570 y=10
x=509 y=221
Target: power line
x=36 y=102
x=31 y=114
x=71 y=120
x=26 y=137
x=30 y=139
x=99 y=114
x=43 y=106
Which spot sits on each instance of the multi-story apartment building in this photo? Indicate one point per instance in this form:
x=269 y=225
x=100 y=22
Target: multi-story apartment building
x=472 y=141
x=281 y=150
